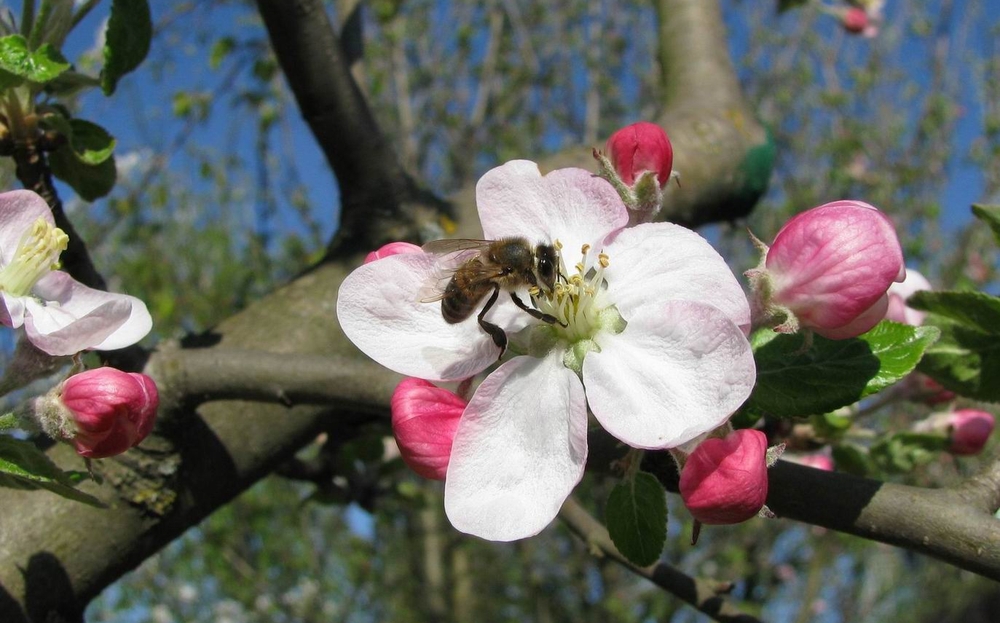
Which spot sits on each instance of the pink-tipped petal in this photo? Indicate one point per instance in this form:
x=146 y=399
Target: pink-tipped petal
x=393 y=248
x=19 y=210
x=520 y=449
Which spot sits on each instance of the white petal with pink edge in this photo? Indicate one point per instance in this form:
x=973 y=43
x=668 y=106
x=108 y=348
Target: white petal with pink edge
x=678 y=370
x=67 y=317
x=659 y=262
x=520 y=449
x=571 y=205
x=381 y=307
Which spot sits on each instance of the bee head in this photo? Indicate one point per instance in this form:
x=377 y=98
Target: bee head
x=546 y=266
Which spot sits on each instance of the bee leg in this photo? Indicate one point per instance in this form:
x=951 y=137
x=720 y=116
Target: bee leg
x=498 y=335
x=549 y=318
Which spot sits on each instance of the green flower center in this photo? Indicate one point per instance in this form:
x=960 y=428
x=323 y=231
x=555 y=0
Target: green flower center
x=579 y=304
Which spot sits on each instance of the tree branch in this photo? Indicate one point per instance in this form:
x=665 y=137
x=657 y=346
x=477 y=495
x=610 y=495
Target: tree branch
x=708 y=596
x=379 y=201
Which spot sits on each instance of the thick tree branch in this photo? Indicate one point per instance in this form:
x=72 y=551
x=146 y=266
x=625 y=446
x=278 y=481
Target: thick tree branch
x=708 y=596
x=379 y=200
x=955 y=525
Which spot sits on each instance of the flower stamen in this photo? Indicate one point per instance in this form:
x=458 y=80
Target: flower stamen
x=37 y=254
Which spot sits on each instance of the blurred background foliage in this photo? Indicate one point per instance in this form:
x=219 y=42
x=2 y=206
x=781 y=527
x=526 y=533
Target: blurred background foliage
x=222 y=196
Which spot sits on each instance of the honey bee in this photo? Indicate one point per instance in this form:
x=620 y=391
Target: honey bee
x=493 y=265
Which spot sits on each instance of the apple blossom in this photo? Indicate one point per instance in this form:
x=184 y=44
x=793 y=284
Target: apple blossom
x=898 y=310
x=650 y=335
x=60 y=315
x=828 y=270
x=103 y=412
x=724 y=481
x=424 y=421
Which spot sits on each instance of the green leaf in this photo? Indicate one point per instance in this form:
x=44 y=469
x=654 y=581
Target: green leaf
x=784 y=5
x=24 y=466
x=966 y=359
x=127 y=39
x=18 y=63
x=832 y=373
x=90 y=142
x=902 y=452
x=90 y=181
x=637 y=518
x=989 y=215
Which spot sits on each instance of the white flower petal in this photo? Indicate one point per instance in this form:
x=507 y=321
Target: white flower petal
x=520 y=449
x=19 y=209
x=572 y=205
x=658 y=262
x=381 y=309
x=137 y=326
x=678 y=369
x=68 y=317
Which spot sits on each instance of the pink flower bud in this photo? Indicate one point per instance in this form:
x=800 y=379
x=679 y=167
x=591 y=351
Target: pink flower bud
x=393 y=248
x=970 y=430
x=831 y=267
x=899 y=292
x=111 y=410
x=854 y=20
x=724 y=481
x=638 y=148
x=424 y=421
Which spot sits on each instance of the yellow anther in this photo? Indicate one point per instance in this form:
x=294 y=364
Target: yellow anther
x=604 y=260
x=558 y=245
x=585 y=249
x=579 y=268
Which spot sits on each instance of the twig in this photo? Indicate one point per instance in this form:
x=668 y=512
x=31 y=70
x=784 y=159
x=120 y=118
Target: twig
x=708 y=596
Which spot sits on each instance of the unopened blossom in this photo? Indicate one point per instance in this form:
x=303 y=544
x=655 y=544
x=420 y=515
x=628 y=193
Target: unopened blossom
x=391 y=248
x=60 y=315
x=970 y=430
x=640 y=148
x=828 y=270
x=898 y=310
x=650 y=334
x=638 y=162
x=102 y=412
x=424 y=420
x=724 y=480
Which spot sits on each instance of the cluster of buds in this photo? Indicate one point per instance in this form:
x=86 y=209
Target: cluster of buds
x=638 y=161
x=102 y=412
x=828 y=271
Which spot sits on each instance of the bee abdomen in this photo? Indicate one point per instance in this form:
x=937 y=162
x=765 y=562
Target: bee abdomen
x=457 y=304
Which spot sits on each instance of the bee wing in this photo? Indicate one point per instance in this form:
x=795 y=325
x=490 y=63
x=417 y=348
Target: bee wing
x=451 y=254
